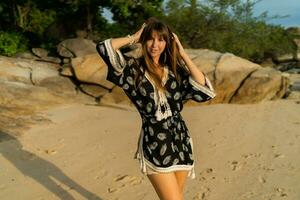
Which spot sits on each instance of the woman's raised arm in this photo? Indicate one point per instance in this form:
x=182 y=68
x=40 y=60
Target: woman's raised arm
x=196 y=73
x=130 y=39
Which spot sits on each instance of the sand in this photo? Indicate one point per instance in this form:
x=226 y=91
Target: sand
x=242 y=152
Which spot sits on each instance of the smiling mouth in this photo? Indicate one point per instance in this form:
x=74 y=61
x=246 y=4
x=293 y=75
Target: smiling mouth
x=153 y=51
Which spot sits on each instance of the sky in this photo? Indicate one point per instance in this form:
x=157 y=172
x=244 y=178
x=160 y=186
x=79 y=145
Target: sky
x=280 y=7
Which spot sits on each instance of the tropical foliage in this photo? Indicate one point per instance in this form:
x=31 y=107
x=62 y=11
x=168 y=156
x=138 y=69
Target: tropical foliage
x=222 y=25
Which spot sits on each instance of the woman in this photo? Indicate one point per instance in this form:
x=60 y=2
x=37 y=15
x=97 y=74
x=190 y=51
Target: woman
x=157 y=83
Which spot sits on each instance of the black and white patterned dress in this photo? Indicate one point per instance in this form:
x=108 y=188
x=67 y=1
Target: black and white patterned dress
x=164 y=143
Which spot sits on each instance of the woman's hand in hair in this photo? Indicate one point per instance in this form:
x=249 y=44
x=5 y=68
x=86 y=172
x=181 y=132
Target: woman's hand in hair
x=130 y=39
x=195 y=72
x=179 y=45
x=136 y=36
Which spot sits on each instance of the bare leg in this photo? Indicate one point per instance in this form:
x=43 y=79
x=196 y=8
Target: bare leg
x=166 y=186
x=181 y=178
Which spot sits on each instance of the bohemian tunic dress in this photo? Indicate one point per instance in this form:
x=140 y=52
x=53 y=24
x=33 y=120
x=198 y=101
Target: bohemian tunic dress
x=164 y=143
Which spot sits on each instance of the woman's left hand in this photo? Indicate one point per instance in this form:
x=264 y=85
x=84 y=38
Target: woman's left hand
x=180 y=47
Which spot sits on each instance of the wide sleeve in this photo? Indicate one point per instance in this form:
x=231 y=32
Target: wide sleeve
x=114 y=60
x=191 y=89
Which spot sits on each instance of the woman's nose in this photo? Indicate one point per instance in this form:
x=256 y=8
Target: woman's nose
x=154 y=43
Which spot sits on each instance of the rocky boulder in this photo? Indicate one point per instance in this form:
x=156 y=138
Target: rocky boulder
x=237 y=80
x=92 y=69
x=28 y=86
x=76 y=47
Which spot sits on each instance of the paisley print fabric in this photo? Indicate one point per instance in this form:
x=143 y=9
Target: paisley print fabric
x=164 y=143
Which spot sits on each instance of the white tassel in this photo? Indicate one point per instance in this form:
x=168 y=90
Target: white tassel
x=162 y=103
x=160 y=98
x=140 y=154
x=192 y=173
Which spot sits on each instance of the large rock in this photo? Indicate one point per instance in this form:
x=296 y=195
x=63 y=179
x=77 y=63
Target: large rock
x=205 y=58
x=9 y=71
x=230 y=73
x=34 y=73
x=20 y=104
x=236 y=79
x=93 y=90
x=91 y=69
x=40 y=52
x=50 y=59
x=26 y=55
x=35 y=97
x=262 y=84
x=117 y=96
x=76 y=47
x=29 y=86
x=33 y=77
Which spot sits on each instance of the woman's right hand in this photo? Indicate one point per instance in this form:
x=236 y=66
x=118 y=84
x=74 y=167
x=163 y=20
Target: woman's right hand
x=180 y=47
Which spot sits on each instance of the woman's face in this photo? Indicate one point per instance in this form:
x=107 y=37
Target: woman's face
x=155 y=46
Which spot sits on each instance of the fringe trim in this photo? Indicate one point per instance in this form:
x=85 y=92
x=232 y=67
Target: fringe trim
x=209 y=90
x=115 y=56
x=160 y=98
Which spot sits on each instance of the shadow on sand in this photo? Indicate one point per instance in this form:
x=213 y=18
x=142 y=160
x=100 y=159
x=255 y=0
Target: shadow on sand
x=40 y=170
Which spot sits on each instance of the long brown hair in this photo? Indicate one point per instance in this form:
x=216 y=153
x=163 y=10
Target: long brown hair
x=170 y=56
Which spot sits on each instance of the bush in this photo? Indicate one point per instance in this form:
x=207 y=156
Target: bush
x=11 y=43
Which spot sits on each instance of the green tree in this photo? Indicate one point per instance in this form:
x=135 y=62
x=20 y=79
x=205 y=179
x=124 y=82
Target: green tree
x=228 y=26
x=130 y=13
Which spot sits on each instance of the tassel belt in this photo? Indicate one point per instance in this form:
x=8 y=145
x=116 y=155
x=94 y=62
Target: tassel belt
x=153 y=119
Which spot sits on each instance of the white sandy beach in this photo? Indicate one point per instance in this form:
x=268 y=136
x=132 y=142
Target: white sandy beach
x=243 y=152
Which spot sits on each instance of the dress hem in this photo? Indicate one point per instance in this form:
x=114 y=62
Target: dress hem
x=144 y=162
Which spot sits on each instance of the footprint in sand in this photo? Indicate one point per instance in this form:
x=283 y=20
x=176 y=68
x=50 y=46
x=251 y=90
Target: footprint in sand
x=251 y=155
x=280 y=192
x=205 y=173
x=265 y=168
x=279 y=155
x=124 y=180
x=202 y=194
x=235 y=165
x=261 y=179
x=127 y=180
x=112 y=189
x=50 y=151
